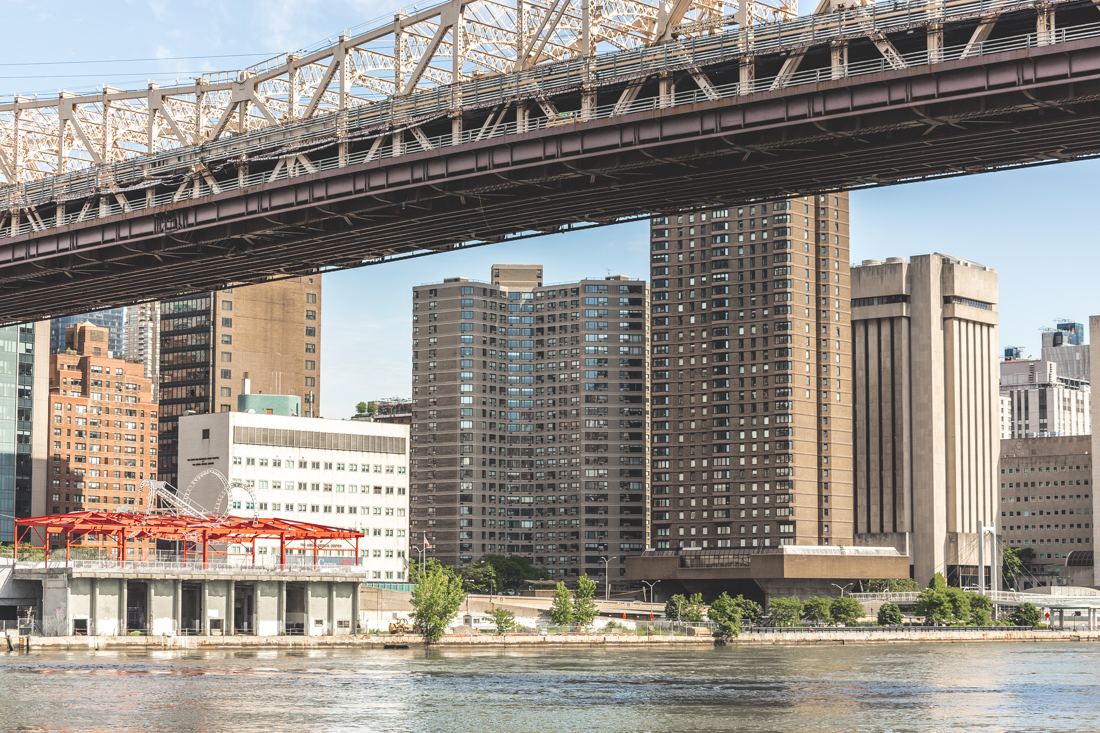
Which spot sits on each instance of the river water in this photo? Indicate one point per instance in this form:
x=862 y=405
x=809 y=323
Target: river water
x=903 y=687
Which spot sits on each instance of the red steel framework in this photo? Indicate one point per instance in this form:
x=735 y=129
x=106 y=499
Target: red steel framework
x=112 y=529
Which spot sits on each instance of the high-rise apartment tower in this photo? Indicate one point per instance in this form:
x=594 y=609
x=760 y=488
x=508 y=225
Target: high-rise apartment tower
x=141 y=339
x=529 y=431
x=209 y=342
x=751 y=423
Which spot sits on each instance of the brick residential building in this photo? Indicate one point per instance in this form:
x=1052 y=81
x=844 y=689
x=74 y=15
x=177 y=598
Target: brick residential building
x=103 y=425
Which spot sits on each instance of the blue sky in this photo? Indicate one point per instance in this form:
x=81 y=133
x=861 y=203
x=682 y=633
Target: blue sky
x=1036 y=227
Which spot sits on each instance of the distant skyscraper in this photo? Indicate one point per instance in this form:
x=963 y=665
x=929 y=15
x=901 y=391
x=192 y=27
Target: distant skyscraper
x=926 y=431
x=141 y=339
x=1065 y=346
x=24 y=423
x=1042 y=403
x=529 y=427
x=111 y=319
x=268 y=333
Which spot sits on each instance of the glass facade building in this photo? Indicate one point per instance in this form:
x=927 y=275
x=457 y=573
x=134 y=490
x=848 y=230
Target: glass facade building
x=110 y=319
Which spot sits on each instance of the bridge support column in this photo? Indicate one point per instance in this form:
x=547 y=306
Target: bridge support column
x=398 y=143
x=456 y=128
x=838 y=53
x=667 y=90
x=230 y=610
x=280 y=613
x=522 y=115
x=935 y=43
x=748 y=75
x=1044 y=26
x=242 y=174
x=1092 y=619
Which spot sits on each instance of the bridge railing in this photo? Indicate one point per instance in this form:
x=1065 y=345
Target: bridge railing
x=177 y=568
x=1000 y=597
x=548 y=79
x=379 y=121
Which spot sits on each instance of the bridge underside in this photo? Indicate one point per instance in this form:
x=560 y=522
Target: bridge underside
x=1019 y=108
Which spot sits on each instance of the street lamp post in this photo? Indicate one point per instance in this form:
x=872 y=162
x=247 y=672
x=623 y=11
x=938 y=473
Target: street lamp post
x=651 y=596
x=607 y=577
x=843 y=588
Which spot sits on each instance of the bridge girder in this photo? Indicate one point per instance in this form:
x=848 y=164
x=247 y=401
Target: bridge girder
x=1005 y=110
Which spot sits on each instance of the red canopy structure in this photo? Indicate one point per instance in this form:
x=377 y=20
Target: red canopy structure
x=112 y=529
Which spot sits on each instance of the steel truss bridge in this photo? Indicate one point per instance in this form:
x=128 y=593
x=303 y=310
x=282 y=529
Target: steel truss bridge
x=474 y=122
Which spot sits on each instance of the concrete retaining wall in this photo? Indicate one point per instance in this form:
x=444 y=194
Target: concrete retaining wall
x=379 y=641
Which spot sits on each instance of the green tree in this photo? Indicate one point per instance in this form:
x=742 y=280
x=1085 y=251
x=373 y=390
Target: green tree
x=960 y=604
x=981 y=609
x=372 y=408
x=935 y=603
x=889 y=615
x=1014 y=563
x=674 y=607
x=584 y=609
x=726 y=612
x=361 y=408
x=1027 y=615
x=513 y=572
x=480 y=577
x=695 y=609
x=846 y=610
x=890 y=585
x=561 y=610
x=504 y=619
x=818 y=610
x=785 y=611
x=436 y=599
x=751 y=611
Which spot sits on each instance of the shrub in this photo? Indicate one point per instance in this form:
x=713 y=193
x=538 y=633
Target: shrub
x=504 y=619
x=1027 y=615
x=889 y=615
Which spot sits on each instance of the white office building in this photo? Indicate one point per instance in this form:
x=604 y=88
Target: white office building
x=339 y=473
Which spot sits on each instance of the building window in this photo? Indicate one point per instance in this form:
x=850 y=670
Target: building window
x=227 y=373
x=224 y=408
x=226 y=392
x=227 y=356
x=311 y=297
x=311 y=331
x=227 y=338
x=311 y=348
x=227 y=323
x=227 y=305
x=311 y=381
x=311 y=315
x=311 y=365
